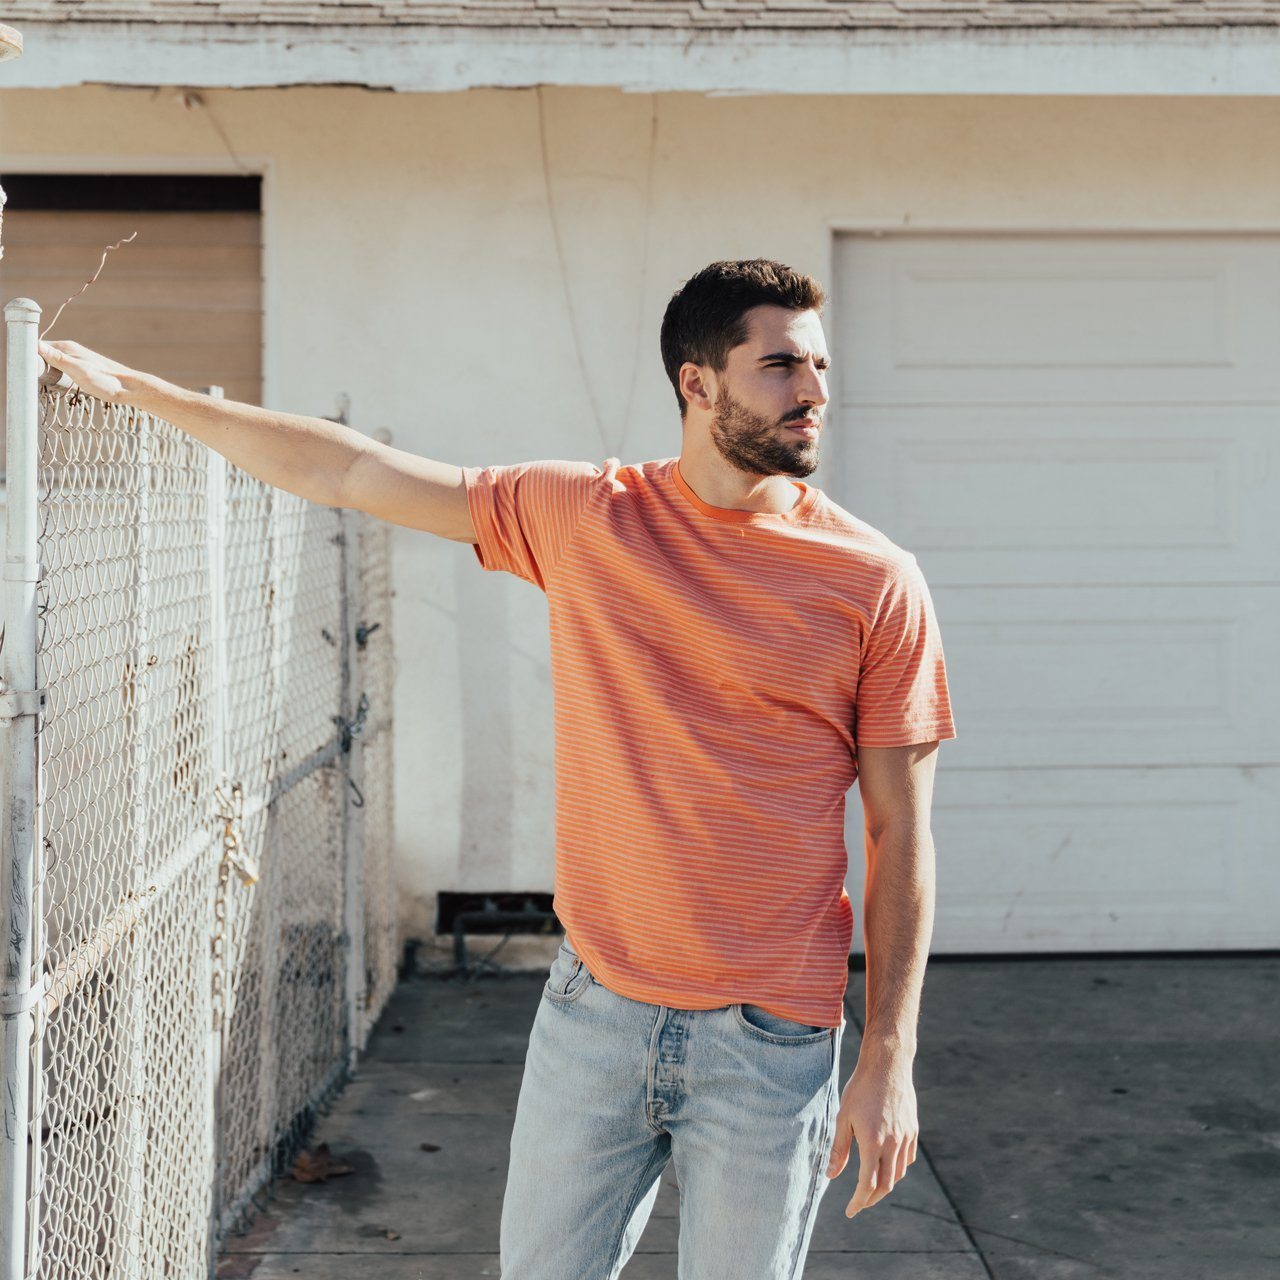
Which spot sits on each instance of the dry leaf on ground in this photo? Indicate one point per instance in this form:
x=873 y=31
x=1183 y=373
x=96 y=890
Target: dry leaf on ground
x=318 y=1165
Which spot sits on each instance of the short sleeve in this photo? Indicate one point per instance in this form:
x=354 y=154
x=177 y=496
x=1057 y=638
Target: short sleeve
x=525 y=514
x=902 y=682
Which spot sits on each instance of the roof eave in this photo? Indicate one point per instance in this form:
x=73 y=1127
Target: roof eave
x=1220 y=60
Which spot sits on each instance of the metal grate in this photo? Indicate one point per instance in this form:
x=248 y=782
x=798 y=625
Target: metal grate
x=209 y=916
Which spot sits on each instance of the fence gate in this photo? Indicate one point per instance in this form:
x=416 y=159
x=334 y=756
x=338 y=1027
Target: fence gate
x=195 y=787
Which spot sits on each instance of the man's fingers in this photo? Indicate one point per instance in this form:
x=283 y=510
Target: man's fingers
x=879 y=1172
x=91 y=373
x=53 y=355
x=862 y=1195
x=868 y=1172
x=840 y=1149
x=885 y=1176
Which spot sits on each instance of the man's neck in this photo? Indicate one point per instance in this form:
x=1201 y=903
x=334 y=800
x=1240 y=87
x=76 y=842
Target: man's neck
x=719 y=484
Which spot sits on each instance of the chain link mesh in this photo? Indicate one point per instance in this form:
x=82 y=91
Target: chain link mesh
x=199 y=751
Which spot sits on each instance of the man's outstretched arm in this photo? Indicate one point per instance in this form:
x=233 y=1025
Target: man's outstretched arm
x=314 y=458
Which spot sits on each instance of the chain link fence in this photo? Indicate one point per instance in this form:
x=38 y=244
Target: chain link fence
x=195 y=769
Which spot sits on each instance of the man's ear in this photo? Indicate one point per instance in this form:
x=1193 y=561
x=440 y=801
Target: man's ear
x=695 y=391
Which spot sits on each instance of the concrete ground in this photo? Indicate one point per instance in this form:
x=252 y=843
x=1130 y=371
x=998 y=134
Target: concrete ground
x=1080 y=1118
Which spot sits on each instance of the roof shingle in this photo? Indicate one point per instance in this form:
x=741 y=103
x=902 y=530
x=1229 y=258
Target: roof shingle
x=664 y=14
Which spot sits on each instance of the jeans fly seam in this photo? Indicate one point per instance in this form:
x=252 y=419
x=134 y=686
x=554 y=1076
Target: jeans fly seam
x=651 y=1073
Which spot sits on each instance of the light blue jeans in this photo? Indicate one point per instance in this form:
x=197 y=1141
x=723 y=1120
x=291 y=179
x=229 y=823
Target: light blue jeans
x=744 y=1101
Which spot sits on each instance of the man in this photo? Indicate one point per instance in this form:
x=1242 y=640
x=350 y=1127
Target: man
x=730 y=650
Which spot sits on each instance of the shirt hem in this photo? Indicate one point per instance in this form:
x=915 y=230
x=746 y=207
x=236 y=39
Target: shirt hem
x=909 y=735
x=635 y=993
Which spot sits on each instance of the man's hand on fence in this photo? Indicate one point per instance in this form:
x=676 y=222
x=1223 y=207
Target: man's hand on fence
x=95 y=375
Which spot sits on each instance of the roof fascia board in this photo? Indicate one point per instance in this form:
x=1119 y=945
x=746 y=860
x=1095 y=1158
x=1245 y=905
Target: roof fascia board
x=1182 y=61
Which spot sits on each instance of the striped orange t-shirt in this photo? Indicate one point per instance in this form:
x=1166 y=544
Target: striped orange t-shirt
x=713 y=670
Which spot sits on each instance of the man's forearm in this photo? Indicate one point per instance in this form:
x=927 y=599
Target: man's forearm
x=897 y=927
x=306 y=456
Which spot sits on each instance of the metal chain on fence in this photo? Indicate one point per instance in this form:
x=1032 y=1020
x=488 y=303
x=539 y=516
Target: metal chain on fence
x=210 y=916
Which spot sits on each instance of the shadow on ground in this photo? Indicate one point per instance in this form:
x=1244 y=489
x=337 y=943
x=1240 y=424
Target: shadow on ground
x=1080 y=1118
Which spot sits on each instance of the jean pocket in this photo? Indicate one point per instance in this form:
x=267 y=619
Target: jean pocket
x=568 y=977
x=777 y=1029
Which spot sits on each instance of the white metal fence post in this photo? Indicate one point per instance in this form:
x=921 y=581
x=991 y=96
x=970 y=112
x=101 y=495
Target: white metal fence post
x=20 y=835
x=354 y=708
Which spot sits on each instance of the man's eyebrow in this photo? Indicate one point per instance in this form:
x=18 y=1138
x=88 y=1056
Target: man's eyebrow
x=791 y=357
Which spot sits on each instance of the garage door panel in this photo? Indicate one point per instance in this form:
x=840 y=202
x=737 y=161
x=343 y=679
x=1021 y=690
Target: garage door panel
x=1126 y=676
x=193 y=360
x=99 y=227
x=1124 y=859
x=1086 y=318
x=164 y=261
x=157 y=327
x=1057 y=494
x=1076 y=435
x=145 y=293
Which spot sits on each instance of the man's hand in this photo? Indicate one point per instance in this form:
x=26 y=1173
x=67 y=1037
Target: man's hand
x=96 y=375
x=878 y=1108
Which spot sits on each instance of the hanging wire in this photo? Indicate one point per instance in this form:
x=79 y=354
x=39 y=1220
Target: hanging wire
x=190 y=98
x=45 y=333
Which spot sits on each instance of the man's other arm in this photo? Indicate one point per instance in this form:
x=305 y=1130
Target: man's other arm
x=878 y=1104
x=896 y=787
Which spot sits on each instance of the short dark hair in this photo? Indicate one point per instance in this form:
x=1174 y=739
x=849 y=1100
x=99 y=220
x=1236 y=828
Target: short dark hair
x=705 y=318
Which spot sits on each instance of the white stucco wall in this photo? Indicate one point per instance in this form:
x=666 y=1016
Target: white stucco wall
x=411 y=261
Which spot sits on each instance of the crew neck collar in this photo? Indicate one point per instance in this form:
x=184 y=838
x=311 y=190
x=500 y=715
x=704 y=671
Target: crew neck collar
x=731 y=515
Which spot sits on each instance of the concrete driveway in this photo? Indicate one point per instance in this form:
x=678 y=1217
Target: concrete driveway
x=1080 y=1118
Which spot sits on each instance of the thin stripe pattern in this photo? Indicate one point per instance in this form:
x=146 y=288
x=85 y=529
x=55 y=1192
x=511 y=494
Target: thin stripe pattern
x=714 y=672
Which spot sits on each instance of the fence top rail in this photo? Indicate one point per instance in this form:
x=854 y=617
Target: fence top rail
x=55 y=379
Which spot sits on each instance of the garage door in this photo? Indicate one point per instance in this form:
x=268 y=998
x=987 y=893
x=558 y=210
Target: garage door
x=182 y=300
x=1077 y=437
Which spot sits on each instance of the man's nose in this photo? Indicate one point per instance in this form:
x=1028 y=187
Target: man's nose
x=813 y=387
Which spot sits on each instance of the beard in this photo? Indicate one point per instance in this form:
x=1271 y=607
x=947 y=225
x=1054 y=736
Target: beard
x=755 y=444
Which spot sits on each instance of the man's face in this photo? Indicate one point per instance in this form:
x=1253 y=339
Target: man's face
x=772 y=394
